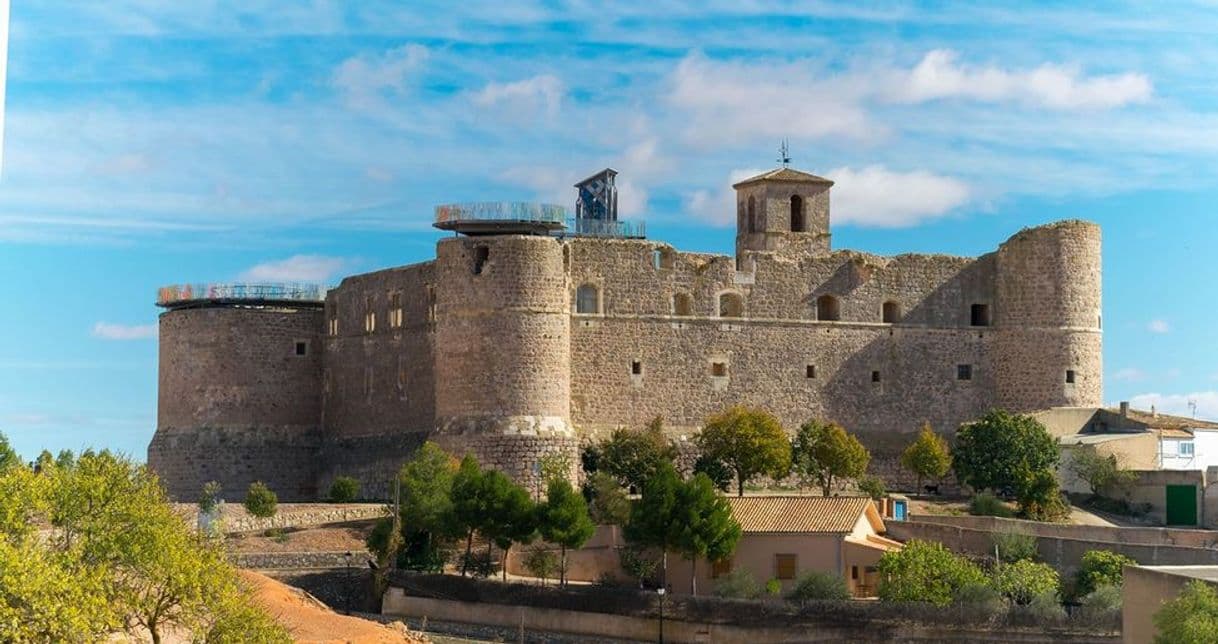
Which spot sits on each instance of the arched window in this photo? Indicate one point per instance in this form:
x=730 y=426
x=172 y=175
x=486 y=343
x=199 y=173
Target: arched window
x=828 y=309
x=752 y=217
x=587 y=299
x=892 y=312
x=731 y=305
x=682 y=304
x=797 y=214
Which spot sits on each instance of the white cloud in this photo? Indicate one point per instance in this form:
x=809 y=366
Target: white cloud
x=109 y=331
x=1180 y=404
x=364 y=78
x=1129 y=374
x=877 y=196
x=298 y=268
x=523 y=98
x=718 y=207
x=940 y=76
x=1158 y=326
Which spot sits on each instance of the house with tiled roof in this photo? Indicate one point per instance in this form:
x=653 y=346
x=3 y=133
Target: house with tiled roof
x=787 y=536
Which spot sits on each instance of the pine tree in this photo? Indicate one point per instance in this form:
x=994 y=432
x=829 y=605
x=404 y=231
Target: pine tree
x=706 y=528
x=654 y=519
x=563 y=519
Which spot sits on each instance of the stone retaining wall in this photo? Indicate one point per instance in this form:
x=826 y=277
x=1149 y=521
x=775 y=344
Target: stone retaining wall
x=354 y=559
x=1142 y=536
x=234 y=518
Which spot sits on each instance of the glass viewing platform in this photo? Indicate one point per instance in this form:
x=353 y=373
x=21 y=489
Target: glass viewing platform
x=501 y=218
x=209 y=294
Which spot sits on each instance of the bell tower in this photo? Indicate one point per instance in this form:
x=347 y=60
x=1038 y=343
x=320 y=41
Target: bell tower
x=783 y=210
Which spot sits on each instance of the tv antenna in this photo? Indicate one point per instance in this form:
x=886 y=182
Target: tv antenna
x=784 y=154
x=1192 y=406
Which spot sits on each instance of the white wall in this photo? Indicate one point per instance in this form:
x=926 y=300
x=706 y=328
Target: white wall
x=1205 y=451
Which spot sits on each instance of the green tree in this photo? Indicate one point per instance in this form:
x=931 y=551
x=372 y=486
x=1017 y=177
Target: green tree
x=928 y=457
x=344 y=489
x=542 y=562
x=826 y=452
x=750 y=442
x=65 y=459
x=655 y=518
x=426 y=502
x=1190 y=618
x=608 y=503
x=1002 y=451
x=8 y=456
x=1039 y=497
x=873 y=486
x=563 y=520
x=555 y=465
x=260 y=501
x=511 y=514
x=633 y=456
x=925 y=571
x=1024 y=580
x=1099 y=568
x=44 y=461
x=718 y=472
x=469 y=503
x=705 y=527
x=1100 y=472
x=209 y=497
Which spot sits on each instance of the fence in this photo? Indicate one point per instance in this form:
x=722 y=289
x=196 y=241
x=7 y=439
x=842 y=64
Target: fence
x=500 y=211
x=180 y=293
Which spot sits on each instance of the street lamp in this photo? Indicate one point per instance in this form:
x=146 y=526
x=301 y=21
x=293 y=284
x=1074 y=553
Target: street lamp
x=660 y=592
x=347 y=557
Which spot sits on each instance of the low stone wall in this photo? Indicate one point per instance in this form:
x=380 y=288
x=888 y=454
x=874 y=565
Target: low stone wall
x=1141 y=536
x=355 y=559
x=1062 y=553
x=234 y=518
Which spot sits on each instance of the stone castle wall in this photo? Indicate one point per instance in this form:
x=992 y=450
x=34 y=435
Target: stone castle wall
x=236 y=403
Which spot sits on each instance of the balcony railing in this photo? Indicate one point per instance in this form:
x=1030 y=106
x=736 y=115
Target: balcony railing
x=178 y=294
x=583 y=227
x=500 y=211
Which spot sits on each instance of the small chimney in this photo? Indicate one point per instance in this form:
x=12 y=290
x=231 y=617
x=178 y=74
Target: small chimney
x=1154 y=413
x=1124 y=409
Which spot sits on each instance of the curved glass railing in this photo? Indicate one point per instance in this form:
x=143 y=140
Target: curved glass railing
x=182 y=293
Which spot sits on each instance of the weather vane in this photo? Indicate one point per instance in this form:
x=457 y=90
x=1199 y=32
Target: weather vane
x=784 y=155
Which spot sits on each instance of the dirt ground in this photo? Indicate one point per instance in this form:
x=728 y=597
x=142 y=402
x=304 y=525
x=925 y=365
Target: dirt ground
x=959 y=507
x=311 y=621
x=328 y=538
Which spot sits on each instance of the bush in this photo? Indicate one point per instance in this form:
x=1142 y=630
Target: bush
x=1014 y=546
x=737 y=584
x=872 y=486
x=1025 y=580
x=988 y=505
x=209 y=497
x=816 y=586
x=479 y=564
x=1102 y=604
x=1040 y=499
x=1191 y=618
x=1046 y=608
x=925 y=571
x=981 y=600
x=260 y=501
x=1100 y=568
x=344 y=489
x=773 y=588
x=542 y=563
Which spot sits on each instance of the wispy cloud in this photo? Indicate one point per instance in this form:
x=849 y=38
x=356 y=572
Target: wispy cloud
x=366 y=79
x=110 y=331
x=1206 y=403
x=297 y=268
x=531 y=97
x=1158 y=326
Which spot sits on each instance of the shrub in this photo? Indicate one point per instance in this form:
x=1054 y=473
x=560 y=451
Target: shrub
x=607 y=500
x=737 y=584
x=988 y=505
x=1024 y=580
x=1190 y=618
x=1102 y=604
x=209 y=497
x=260 y=501
x=719 y=473
x=479 y=564
x=344 y=489
x=1040 y=499
x=925 y=571
x=980 y=600
x=1014 y=546
x=1046 y=608
x=816 y=586
x=773 y=588
x=638 y=563
x=1100 y=568
x=542 y=563
x=872 y=486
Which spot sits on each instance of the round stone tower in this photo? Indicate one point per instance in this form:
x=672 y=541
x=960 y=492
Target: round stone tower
x=1048 y=342
x=239 y=389
x=503 y=350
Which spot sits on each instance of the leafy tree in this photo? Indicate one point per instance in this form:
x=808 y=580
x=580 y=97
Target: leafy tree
x=1002 y=451
x=928 y=457
x=511 y=516
x=1100 y=472
x=542 y=562
x=1190 y=618
x=8 y=456
x=65 y=459
x=825 y=452
x=1099 y=568
x=563 y=520
x=260 y=501
x=1039 y=497
x=44 y=461
x=633 y=456
x=609 y=504
x=815 y=585
x=750 y=442
x=715 y=470
x=344 y=489
x=925 y=571
x=1024 y=580
x=469 y=503
x=873 y=486
x=555 y=465
x=705 y=526
x=655 y=519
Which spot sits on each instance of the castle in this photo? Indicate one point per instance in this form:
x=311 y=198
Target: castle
x=527 y=335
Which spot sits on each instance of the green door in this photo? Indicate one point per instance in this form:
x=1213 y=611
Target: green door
x=1182 y=505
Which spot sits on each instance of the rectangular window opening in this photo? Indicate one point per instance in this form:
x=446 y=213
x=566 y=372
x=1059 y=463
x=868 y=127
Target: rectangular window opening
x=875 y=376
x=719 y=369
x=980 y=315
x=964 y=372
x=302 y=348
x=636 y=368
x=395 y=310
x=785 y=566
x=1186 y=448
x=720 y=568
x=481 y=255
x=1070 y=377
x=810 y=371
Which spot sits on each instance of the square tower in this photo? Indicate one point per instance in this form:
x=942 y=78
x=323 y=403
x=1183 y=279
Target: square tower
x=783 y=210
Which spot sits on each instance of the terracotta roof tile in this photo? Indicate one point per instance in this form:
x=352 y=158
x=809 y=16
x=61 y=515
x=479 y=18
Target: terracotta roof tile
x=798 y=513
x=1166 y=421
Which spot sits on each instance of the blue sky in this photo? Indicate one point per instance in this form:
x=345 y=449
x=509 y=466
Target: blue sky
x=157 y=142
